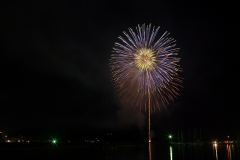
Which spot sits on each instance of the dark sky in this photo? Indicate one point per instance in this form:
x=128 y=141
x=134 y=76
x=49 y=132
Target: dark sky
x=55 y=64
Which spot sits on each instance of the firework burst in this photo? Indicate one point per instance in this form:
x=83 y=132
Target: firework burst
x=145 y=70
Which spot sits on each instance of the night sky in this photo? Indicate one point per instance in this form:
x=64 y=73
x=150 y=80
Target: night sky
x=55 y=64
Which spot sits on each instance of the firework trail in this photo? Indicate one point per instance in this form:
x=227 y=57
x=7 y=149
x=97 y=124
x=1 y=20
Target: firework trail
x=145 y=70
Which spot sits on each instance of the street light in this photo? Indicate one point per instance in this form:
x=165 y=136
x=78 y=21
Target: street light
x=170 y=137
x=54 y=141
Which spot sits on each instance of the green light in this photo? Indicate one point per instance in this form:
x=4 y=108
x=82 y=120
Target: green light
x=170 y=136
x=54 y=141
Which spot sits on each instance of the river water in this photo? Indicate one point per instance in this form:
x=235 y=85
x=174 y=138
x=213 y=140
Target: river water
x=152 y=151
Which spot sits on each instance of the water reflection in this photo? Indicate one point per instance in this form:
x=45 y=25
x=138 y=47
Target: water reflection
x=215 y=148
x=185 y=151
x=170 y=152
x=150 y=150
x=154 y=151
x=229 y=149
